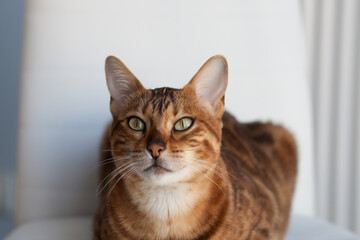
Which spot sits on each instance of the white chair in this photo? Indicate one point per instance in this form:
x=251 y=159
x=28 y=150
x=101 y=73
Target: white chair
x=64 y=99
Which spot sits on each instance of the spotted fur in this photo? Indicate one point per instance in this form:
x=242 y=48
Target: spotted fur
x=228 y=180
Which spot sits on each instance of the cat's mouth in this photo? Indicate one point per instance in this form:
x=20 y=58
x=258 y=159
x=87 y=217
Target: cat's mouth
x=157 y=169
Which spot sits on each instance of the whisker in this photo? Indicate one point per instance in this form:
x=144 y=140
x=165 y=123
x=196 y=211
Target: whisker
x=214 y=171
x=113 y=174
x=112 y=160
x=109 y=160
x=108 y=195
x=188 y=164
x=227 y=172
x=222 y=169
x=206 y=162
x=214 y=168
x=131 y=172
x=113 y=150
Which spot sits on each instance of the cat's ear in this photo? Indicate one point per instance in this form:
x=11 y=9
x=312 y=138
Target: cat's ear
x=210 y=83
x=120 y=81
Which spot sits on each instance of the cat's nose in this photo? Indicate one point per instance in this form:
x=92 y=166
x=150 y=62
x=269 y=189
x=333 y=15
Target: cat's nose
x=155 y=149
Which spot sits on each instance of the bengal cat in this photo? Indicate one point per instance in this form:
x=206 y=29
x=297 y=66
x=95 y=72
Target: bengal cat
x=175 y=166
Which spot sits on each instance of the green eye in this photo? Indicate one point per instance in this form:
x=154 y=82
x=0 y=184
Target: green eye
x=183 y=124
x=136 y=124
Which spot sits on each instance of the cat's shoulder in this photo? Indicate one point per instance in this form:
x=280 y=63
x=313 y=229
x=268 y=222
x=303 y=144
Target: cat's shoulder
x=260 y=133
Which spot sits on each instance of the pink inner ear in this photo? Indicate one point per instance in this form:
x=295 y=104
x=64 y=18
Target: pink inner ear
x=211 y=81
x=121 y=82
x=119 y=88
x=211 y=91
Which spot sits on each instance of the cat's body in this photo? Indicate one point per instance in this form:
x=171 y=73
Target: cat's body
x=216 y=180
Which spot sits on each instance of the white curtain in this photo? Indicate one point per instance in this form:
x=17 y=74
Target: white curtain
x=333 y=39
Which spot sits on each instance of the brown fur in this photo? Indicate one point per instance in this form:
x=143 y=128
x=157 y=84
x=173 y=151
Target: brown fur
x=243 y=189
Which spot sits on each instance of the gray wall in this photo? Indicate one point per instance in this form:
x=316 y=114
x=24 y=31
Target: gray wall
x=11 y=27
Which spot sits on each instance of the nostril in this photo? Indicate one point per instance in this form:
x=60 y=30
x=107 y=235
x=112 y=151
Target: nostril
x=155 y=149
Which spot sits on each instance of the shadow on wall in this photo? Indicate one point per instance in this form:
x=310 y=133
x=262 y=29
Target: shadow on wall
x=11 y=28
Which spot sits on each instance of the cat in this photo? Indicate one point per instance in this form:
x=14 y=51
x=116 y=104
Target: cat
x=176 y=166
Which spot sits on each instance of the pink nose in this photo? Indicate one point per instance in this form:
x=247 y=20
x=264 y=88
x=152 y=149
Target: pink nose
x=155 y=150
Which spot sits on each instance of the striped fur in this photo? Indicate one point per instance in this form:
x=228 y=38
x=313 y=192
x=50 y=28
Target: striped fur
x=228 y=180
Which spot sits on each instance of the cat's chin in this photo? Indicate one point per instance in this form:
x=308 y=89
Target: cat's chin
x=157 y=169
x=162 y=176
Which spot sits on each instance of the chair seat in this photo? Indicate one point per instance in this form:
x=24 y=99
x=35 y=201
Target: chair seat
x=307 y=228
x=301 y=228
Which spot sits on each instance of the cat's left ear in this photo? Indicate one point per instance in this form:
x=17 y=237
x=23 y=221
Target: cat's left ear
x=121 y=83
x=210 y=83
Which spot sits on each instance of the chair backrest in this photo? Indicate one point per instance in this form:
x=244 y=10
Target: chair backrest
x=64 y=99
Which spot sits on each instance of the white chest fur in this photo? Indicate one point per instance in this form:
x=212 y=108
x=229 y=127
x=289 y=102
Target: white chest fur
x=164 y=202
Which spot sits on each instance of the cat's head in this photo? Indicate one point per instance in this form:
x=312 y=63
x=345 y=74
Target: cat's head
x=166 y=135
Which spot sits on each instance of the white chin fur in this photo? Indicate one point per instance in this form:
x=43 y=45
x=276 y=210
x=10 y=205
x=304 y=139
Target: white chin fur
x=162 y=196
x=163 y=200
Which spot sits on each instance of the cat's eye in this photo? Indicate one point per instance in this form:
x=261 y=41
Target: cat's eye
x=183 y=124
x=136 y=124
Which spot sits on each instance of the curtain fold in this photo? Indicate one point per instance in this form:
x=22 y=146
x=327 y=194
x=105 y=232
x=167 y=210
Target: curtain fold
x=332 y=30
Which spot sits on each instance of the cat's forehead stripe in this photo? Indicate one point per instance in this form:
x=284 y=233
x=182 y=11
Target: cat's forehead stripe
x=161 y=98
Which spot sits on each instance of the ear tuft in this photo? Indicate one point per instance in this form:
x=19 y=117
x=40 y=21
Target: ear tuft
x=210 y=83
x=120 y=81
